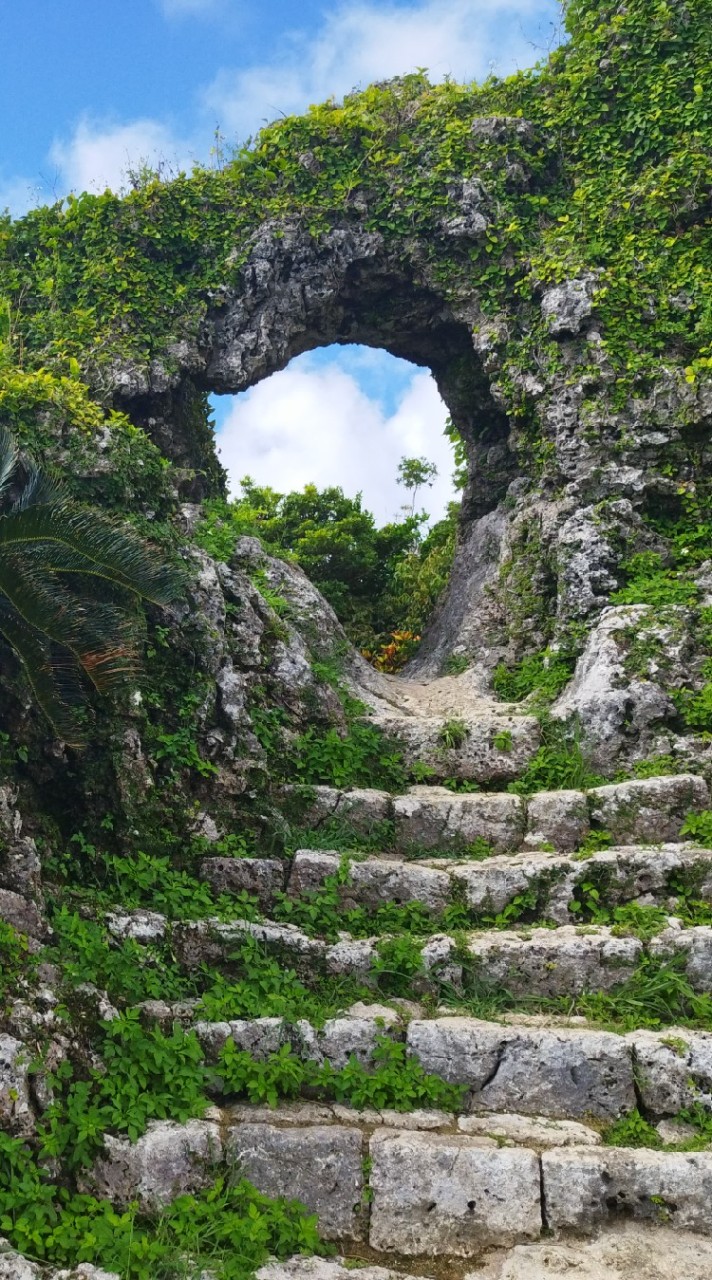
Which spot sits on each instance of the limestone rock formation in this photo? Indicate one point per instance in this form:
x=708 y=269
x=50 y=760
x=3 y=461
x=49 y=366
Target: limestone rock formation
x=430 y=953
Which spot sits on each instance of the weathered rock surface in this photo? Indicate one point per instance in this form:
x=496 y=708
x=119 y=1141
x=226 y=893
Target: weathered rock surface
x=650 y=809
x=673 y=1069
x=324 y=1269
x=444 y=1194
x=435 y=818
x=480 y=753
x=168 y=1161
x=262 y=878
x=532 y=1071
x=321 y=1167
x=622 y=710
x=557 y=818
x=530 y=1131
x=16 y=1114
x=551 y=962
x=584 y=1188
x=625 y=1251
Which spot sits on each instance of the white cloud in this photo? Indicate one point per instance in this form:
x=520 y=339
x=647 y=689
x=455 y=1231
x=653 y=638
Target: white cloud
x=99 y=155
x=355 y=45
x=20 y=195
x=318 y=426
x=362 y=42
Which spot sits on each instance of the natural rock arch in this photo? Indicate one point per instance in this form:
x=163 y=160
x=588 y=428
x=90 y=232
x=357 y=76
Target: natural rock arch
x=475 y=231
x=295 y=295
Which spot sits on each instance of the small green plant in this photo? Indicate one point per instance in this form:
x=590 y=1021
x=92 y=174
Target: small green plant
x=650 y=581
x=16 y=963
x=541 y=676
x=394 y=1080
x=559 y=764
x=228 y=1230
x=594 y=842
x=656 y=767
x=178 y=748
x=503 y=740
x=398 y=965
x=699 y=827
x=632 y=1130
x=456 y=664
x=453 y=734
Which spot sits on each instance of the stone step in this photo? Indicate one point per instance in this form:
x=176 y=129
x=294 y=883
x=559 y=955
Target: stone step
x=487 y=748
x=622 y=1251
x=490 y=886
x=561 y=1069
x=411 y=1189
x=430 y=817
x=525 y=962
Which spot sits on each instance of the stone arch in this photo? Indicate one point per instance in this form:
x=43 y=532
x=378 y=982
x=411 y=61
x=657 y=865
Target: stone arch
x=297 y=293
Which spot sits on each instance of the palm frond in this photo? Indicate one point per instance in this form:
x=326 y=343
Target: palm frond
x=69 y=580
x=117 y=553
x=9 y=456
x=34 y=651
x=91 y=630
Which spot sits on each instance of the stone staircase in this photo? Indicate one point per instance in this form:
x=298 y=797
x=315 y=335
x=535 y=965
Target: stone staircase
x=523 y=1164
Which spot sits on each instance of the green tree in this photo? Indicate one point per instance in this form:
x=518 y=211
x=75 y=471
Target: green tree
x=413 y=473
x=69 y=578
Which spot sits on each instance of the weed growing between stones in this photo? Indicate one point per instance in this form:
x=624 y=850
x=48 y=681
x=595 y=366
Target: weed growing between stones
x=559 y=764
x=657 y=994
x=633 y=1130
x=395 y=1081
x=231 y=1226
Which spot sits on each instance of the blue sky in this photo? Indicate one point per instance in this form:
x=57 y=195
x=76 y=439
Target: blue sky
x=91 y=89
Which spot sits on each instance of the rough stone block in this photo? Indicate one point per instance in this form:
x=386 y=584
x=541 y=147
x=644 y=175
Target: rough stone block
x=340 y=1038
x=695 y=944
x=531 y=1131
x=321 y=1166
x=323 y=1269
x=584 y=1188
x=362 y=809
x=352 y=957
x=490 y=885
x=446 y=1194
x=673 y=1069
x=559 y=818
x=258 y=1036
x=14 y=1267
x=567 y=1074
x=480 y=756
x=552 y=962
x=140 y=926
x=23 y=914
x=625 y=1251
x=16 y=1115
x=169 y=1160
x=628 y=873
x=373 y=882
x=435 y=818
x=197 y=942
x=263 y=878
x=651 y=809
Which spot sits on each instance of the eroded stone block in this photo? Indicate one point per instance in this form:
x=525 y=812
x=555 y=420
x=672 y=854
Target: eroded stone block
x=585 y=1188
x=320 y=1166
x=447 y=1194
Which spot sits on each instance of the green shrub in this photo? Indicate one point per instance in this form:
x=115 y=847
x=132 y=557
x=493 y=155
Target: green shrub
x=230 y=1229
x=394 y=1080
